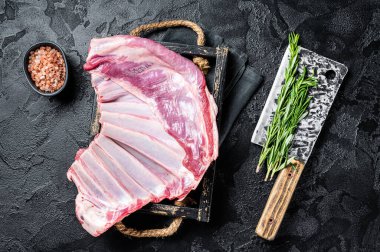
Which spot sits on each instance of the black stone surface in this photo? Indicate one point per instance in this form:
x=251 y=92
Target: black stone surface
x=336 y=205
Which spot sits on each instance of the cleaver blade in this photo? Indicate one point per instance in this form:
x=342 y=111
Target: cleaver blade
x=330 y=76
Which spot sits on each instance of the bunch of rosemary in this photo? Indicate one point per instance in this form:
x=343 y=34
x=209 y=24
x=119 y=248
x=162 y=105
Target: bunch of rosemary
x=292 y=105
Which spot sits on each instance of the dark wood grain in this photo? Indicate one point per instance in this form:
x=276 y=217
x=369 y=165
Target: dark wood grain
x=171 y=211
x=191 y=49
x=208 y=180
x=278 y=201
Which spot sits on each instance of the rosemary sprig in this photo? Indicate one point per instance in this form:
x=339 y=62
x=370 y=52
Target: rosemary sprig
x=292 y=104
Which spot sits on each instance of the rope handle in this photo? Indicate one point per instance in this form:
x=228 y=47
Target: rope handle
x=202 y=63
x=156 y=233
x=150 y=233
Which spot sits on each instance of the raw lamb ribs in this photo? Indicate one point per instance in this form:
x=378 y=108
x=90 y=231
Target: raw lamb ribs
x=158 y=133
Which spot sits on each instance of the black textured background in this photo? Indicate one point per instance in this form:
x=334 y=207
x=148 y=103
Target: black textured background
x=336 y=206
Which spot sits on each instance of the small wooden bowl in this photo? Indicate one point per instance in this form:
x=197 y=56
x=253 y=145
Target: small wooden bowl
x=28 y=76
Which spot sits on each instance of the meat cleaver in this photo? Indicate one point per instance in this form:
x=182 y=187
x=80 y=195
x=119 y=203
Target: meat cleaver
x=330 y=75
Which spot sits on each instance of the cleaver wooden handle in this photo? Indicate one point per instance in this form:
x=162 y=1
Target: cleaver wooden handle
x=278 y=201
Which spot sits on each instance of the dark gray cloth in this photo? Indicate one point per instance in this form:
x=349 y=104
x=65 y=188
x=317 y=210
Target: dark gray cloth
x=241 y=80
